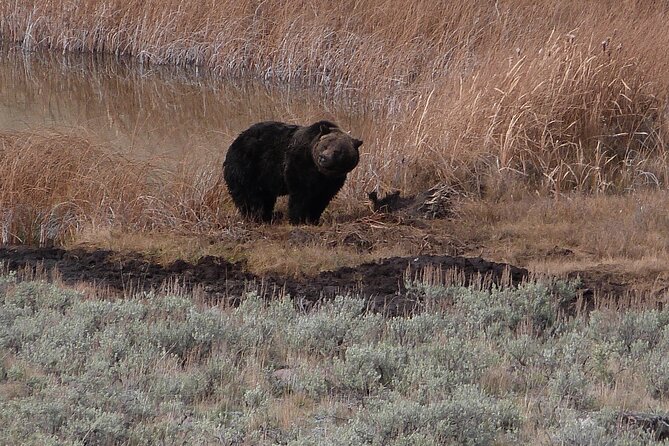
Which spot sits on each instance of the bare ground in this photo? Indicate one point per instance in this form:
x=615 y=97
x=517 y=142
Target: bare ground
x=382 y=282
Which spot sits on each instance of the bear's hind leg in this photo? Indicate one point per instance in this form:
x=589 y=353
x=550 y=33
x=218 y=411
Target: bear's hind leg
x=267 y=207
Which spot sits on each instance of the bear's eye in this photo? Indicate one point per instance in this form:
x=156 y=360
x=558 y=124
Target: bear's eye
x=322 y=159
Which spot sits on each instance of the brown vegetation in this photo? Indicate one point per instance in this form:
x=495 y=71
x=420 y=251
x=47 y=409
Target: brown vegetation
x=508 y=100
x=53 y=186
x=564 y=95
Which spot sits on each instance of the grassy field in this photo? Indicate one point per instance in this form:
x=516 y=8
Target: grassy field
x=65 y=189
x=472 y=367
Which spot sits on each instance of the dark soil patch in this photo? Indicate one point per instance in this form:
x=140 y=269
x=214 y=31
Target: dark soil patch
x=382 y=282
x=611 y=286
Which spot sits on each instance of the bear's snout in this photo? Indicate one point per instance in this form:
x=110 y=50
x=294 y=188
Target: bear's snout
x=326 y=160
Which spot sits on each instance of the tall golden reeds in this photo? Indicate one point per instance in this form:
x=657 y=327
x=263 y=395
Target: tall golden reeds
x=550 y=95
x=53 y=185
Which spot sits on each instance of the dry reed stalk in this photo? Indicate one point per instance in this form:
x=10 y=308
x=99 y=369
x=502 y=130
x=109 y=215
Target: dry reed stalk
x=364 y=44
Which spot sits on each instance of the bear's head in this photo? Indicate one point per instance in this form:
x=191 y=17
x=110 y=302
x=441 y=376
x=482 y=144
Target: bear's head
x=334 y=152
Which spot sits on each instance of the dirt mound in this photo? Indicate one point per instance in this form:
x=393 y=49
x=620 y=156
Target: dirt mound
x=382 y=282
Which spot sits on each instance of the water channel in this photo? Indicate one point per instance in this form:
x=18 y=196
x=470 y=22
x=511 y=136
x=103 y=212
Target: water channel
x=158 y=114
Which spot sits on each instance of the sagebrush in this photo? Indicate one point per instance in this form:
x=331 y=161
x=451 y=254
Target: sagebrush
x=478 y=367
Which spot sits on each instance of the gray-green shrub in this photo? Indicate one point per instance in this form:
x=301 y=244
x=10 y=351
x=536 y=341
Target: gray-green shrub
x=155 y=368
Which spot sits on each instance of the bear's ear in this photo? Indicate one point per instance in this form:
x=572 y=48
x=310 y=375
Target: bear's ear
x=324 y=128
x=357 y=143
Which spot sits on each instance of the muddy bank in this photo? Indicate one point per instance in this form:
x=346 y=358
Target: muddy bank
x=383 y=282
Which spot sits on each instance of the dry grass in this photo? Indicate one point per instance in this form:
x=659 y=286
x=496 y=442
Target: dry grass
x=58 y=188
x=522 y=103
x=632 y=226
x=562 y=95
x=53 y=186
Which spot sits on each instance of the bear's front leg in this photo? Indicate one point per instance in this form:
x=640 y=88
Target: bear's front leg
x=306 y=208
x=298 y=210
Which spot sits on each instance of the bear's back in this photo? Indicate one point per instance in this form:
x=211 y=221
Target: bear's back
x=258 y=155
x=265 y=136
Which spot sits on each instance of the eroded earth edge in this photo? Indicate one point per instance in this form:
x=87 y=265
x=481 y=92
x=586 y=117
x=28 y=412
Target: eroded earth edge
x=383 y=282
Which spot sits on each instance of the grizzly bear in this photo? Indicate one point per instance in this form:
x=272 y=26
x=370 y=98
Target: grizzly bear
x=307 y=163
